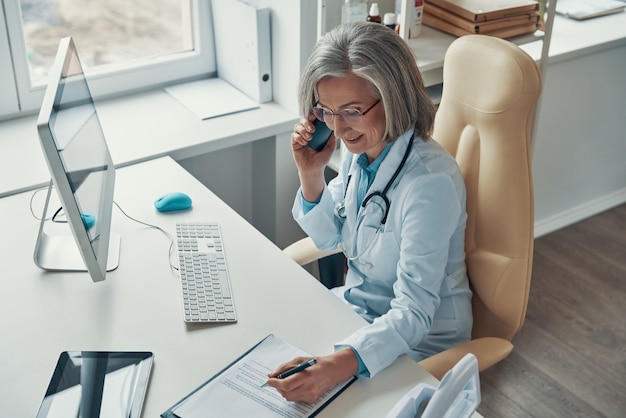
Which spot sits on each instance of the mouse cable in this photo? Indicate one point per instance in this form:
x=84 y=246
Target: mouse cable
x=167 y=234
x=32 y=199
x=55 y=217
x=59 y=211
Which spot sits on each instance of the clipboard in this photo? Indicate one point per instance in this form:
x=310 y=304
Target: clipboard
x=237 y=390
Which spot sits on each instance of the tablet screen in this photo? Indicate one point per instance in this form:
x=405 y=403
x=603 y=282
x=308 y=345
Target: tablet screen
x=90 y=384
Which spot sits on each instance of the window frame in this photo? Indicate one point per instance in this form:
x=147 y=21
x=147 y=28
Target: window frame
x=107 y=81
x=8 y=99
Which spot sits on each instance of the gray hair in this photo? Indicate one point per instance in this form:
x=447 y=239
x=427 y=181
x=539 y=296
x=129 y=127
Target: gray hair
x=377 y=54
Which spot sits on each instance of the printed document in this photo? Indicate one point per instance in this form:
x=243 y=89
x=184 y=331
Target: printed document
x=238 y=391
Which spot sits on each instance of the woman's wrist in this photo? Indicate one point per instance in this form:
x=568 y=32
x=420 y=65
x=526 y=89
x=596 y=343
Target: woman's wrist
x=345 y=364
x=312 y=187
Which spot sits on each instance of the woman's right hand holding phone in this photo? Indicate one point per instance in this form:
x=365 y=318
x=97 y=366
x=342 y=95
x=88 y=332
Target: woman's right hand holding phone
x=311 y=163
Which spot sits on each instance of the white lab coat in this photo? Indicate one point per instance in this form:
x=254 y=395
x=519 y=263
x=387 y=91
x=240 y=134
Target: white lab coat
x=408 y=278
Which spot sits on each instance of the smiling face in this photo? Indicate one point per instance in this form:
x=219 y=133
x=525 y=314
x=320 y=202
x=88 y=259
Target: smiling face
x=353 y=92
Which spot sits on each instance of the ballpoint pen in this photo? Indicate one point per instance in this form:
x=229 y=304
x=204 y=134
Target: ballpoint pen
x=297 y=369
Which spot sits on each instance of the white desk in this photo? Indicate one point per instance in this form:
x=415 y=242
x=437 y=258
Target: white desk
x=137 y=307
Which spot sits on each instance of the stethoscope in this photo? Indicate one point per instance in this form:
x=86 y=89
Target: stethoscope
x=340 y=207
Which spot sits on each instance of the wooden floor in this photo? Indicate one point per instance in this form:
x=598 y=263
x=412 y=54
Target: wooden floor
x=569 y=358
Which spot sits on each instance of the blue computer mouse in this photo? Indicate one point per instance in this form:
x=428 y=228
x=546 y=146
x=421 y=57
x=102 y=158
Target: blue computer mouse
x=172 y=201
x=89 y=219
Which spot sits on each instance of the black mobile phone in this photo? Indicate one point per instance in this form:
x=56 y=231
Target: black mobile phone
x=320 y=136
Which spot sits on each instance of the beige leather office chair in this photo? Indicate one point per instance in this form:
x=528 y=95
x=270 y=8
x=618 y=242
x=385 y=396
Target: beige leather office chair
x=490 y=90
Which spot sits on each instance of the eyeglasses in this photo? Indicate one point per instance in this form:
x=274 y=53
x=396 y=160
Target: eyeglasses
x=348 y=115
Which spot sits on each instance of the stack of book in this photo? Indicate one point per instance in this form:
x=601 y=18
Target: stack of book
x=499 y=18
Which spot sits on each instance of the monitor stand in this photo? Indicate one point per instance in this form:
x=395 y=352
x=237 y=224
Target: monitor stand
x=57 y=250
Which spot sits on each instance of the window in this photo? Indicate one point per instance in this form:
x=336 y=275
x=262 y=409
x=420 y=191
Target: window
x=126 y=46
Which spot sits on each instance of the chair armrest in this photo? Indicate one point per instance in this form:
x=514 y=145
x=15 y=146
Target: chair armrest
x=488 y=351
x=304 y=251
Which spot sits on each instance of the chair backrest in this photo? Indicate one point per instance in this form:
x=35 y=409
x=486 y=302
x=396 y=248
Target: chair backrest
x=490 y=90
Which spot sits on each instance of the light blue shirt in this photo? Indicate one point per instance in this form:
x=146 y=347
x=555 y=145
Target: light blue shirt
x=368 y=172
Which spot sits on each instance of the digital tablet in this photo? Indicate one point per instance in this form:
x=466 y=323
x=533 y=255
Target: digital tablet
x=90 y=384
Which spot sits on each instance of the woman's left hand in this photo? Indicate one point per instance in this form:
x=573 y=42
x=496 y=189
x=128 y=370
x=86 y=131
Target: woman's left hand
x=311 y=383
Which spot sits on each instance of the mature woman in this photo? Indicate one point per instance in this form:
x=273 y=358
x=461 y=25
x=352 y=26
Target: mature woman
x=396 y=208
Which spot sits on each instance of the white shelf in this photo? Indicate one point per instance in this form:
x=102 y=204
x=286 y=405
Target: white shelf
x=138 y=128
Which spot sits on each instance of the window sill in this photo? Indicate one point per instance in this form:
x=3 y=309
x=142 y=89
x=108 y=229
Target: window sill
x=138 y=128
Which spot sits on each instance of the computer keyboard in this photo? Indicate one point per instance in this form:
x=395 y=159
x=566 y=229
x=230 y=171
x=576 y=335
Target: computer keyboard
x=205 y=283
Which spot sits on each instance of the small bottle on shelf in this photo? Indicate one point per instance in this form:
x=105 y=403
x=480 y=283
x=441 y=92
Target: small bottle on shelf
x=389 y=20
x=374 y=14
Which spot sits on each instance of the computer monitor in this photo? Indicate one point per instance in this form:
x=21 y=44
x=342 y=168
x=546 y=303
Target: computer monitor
x=82 y=172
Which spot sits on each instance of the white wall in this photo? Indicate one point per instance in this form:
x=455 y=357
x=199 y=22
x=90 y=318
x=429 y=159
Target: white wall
x=579 y=159
x=227 y=173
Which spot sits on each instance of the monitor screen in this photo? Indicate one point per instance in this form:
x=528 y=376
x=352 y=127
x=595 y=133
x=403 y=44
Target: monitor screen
x=82 y=172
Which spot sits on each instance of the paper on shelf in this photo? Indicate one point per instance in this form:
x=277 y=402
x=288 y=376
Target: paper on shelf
x=587 y=9
x=211 y=98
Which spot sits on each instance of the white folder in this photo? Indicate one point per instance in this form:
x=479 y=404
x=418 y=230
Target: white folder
x=243 y=46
